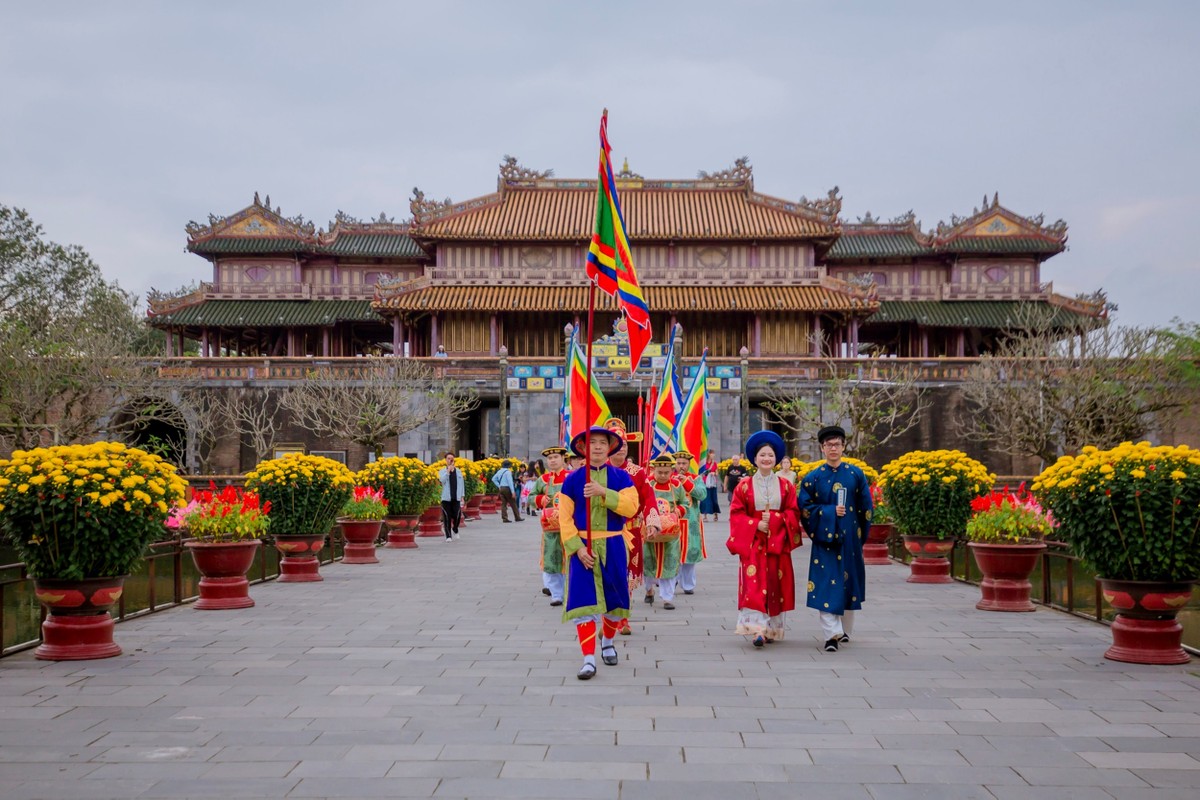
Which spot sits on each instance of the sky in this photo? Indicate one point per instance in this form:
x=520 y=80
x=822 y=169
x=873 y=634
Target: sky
x=122 y=121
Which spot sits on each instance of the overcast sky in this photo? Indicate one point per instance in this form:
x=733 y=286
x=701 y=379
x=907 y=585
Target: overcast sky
x=122 y=121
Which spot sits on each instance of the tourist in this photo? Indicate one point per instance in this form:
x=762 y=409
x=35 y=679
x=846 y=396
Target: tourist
x=454 y=490
x=503 y=479
x=835 y=505
x=711 y=506
x=662 y=558
x=600 y=499
x=764 y=525
x=734 y=475
x=691 y=532
x=786 y=472
x=544 y=493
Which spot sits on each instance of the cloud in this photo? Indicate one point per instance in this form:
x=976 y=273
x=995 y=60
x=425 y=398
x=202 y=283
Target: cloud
x=1118 y=221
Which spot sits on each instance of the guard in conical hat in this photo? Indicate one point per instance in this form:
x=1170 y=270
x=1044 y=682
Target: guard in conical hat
x=647 y=513
x=599 y=498
x=545 y=492
x=691 y=530
x=660 y=553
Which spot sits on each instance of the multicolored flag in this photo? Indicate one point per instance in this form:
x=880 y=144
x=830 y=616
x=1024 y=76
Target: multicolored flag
x=578 y=389
x=564 y=414
x=667 y=406
x=692 y=430
x=609 y=261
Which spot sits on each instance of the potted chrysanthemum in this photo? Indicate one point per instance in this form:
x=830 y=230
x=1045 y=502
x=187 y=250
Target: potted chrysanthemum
x=226 y=527
x=360 y=521
x=930 y=494
x=1132 y=514
x=80 y=517
x=409 y=486
x=306 y=493
x=1007 y=535
x=491 y=495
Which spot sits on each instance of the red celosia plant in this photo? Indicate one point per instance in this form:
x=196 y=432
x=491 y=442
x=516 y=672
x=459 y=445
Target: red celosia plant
x=367 y=503
x=229 y=514
x=881 y=514
x=1009 y=518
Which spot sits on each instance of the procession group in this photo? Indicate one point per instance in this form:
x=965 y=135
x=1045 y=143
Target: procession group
x=613 y=527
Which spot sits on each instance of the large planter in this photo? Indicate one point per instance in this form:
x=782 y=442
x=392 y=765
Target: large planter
x=1145 y=630
x=360 y=536
x=402 y=531
x=431 y=521
x=875 y=550
x=471 y=512
x=78 y=625
x=223 y=567
x=1006 y=569
x=491 y=504
x=931 y=559
x=299 y=562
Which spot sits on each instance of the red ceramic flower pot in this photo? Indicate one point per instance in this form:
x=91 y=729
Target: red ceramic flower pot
x=473 y=505
x=1006 y=569
x=223 y=567
x=491 y=504
x=402 y=531
x=875 y=549
x=931 y=561
x=431 y=521
x=78 y=624
x=360 y=536
x=299 y=562
x=1145 y=630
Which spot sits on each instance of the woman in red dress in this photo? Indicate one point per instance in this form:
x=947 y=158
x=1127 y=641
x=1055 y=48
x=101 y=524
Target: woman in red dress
x=764 y=523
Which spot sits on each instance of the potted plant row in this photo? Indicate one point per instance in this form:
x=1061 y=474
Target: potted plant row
x=929 y=493
x=80 y=517
x=1132 y=514
x=226 y=529
x=1006 y=535
x=306 y=494
x=410 y=487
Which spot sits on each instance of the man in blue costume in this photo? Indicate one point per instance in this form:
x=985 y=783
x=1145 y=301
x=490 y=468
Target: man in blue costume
x=835 y=508
x=597 y=579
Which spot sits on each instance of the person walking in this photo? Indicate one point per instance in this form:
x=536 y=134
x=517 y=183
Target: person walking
x=734 y=475
x=503 y=479
x=835 y=505
x=691 y=531
x=454 y=489
x=662 y=559
x=764 y=525
x=711 y=474
x=544 y=494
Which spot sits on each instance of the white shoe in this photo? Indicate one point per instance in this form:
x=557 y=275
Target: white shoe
x=456 y=536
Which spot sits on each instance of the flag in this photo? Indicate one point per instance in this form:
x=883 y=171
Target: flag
x=667 y=406
x=564 y=413
x=609 y=262
x=692 y=430
x=577 y=385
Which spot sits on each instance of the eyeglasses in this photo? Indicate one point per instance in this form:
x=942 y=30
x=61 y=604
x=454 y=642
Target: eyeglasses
x=838 y=445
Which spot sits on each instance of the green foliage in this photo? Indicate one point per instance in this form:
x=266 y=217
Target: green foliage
x=408 y=484
x=930 y=492
x=85 y=511
x=367 y=503
x=1131 y=512
x=306 y=492
x=1002 y=518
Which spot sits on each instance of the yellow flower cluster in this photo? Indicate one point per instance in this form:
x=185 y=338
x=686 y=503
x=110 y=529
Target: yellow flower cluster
x=1096 y=470
x=103 y=474
x=945 y=466
x=803 y=468
x=397 y=468
x=723 y=466
x=294 y=469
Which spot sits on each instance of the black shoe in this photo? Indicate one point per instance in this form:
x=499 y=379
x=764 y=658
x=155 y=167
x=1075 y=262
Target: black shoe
x=669 y=606
x=845 y=639
x=556 y=602
x=650 y=598
x=609 y=655
x=689 y=591
x=759 y=641
x=506 y=521
x=545 y=591
x=586 y=672
x=832 y=645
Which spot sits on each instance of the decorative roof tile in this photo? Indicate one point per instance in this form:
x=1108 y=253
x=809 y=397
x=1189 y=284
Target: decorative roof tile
x=996 y=314
x=268 y=313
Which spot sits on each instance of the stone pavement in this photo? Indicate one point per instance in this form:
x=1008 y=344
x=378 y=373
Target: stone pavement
x=442 y=672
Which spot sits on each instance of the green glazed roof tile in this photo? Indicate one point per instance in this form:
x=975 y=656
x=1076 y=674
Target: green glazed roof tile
x=245 y=244
x=1001 y=244
x=970 y=313
x=877 y=245
x=270 y=313
x=365 y=244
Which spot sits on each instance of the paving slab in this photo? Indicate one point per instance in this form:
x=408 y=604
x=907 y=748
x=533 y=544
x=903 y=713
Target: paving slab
x=443 y=672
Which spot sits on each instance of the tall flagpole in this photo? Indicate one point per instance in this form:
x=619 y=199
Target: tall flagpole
x=587 y=420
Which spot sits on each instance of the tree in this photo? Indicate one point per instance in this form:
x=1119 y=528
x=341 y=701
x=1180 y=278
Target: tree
x=873 y=405
x=384 y=398
x=254 y=414
x=1042 y=393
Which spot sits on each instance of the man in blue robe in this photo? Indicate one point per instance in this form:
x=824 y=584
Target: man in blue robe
x=835 y=508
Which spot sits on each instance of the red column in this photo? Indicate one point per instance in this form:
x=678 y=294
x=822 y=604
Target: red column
x=816 y=348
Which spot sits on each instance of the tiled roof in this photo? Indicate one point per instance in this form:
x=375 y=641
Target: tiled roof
x=999 y=314
x=269 y=313
x=858 y=244
x=659 y=298
x=365 y=244
x=651 y=214
x=248 y=244
x=1001 y=244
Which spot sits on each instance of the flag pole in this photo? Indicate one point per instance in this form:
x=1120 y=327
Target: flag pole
x=587 y=420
